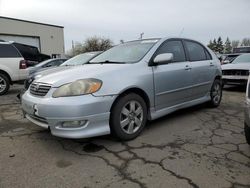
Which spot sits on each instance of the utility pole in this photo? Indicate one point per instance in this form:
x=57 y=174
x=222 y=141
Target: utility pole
x=73 y=48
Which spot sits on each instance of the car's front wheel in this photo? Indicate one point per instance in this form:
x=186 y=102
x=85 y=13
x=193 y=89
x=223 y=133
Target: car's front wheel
x=128 y=117
x=4 y=84
x=216 y=93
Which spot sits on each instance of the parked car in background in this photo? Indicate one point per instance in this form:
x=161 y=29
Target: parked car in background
x=122 y=88
x=80 y=59
x=31 y=54
x=247 y=114
x=46 y=65
x=228 y=58
x=236 y=73
x=12 y=66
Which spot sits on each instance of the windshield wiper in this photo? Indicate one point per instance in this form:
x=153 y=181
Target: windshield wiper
x=107 y=62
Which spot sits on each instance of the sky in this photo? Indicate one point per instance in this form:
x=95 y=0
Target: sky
x=126 y=19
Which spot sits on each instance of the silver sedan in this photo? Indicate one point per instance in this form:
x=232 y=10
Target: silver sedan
x=119 y=90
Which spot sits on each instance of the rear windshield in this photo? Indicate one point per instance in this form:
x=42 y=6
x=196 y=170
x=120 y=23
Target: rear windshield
x=28 y=52
x=8 y=51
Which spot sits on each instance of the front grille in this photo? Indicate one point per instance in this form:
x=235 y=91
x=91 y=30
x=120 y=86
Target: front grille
x=236 y=72
x=39 y=89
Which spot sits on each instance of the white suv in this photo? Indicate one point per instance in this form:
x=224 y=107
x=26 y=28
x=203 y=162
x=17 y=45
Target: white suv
x=12 y=66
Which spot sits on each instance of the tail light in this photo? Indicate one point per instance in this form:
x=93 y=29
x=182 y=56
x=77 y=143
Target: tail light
x=23 y=64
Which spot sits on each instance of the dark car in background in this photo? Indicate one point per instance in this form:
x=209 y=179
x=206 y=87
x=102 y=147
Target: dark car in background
x=30 y=53
x=78 y=60
x=44 y=65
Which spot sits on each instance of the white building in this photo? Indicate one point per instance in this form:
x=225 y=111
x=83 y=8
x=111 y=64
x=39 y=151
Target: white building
x=49 y=39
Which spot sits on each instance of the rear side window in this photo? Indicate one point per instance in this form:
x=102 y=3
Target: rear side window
x=8 y=51
x=176 y=48
x=208 y=55
x=196 y=51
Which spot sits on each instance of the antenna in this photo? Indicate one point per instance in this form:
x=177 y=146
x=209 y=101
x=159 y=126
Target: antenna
x=141 y=35
x=181 y=32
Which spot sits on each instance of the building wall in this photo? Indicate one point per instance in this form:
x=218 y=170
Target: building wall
x=51 y=37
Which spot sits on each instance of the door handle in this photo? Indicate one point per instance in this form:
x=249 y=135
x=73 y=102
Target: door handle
x=211 y=64
x=187 y=67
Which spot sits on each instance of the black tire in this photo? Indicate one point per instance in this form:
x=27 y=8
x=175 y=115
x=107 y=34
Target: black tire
x=215 y=100
x=4 y=80
x=247 y=133
x=116 y=116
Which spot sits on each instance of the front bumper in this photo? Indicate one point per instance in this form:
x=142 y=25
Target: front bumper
x=52 y=113
x=234 y=80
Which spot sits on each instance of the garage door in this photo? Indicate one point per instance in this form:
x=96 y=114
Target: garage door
x=33 y=41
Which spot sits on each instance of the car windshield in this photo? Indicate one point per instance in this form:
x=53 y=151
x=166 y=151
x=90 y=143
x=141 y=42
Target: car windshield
x=129 y=52
x=245 y=58
x=79 y=59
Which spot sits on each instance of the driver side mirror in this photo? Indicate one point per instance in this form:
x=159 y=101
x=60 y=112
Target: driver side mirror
x=163 y=58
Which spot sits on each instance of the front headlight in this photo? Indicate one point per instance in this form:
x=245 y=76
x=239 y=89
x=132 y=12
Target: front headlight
x=79 y=87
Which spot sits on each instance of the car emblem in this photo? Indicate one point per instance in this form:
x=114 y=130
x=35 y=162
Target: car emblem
x=36 y=88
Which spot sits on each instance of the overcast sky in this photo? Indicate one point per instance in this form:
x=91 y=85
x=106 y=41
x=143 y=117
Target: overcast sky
x=126 y=19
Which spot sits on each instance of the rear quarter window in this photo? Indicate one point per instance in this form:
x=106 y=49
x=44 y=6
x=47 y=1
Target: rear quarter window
x=195 y=51
x=8 y=51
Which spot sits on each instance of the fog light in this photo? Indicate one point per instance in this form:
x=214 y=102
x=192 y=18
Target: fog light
x=73 y=124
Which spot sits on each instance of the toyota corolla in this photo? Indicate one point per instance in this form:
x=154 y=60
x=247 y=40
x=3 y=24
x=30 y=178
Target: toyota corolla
x=119 y=90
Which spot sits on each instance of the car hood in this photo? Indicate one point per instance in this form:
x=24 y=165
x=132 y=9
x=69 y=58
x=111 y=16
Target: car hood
x=46 y=71
x=236 y=66
x=98 y=71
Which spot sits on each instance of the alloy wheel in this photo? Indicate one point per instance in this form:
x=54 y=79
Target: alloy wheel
x=3 y=84
x=131 y=117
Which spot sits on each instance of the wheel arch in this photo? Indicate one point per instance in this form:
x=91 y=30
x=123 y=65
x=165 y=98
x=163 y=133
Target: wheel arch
x=6 y=74
x=137 y=91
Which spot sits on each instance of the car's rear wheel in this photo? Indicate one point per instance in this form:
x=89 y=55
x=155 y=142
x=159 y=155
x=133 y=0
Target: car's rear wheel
x=4 y=84
x=216 y=93
x=128 y=117
x=247 y=133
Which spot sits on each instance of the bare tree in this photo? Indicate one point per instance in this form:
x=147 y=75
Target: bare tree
x=91 y=44
x=235 y=43
x=245 y=42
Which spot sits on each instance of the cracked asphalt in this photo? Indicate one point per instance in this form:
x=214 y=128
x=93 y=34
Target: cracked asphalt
x=194 y=147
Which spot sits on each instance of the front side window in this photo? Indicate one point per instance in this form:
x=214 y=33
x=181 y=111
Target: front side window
x=174 y=47
x=7 y=51
x=129 y=52
x=196 y=51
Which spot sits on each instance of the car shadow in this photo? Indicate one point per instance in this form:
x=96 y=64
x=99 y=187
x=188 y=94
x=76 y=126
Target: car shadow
x=235 y=88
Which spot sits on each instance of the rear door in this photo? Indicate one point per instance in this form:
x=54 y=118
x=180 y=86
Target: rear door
x=172 y=80
x=203 y=68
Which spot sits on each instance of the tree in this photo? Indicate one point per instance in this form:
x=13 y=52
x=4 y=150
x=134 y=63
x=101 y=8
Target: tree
x=245 y=42
x=212 y=45
x=219 y=46
x=91 y=44
x=235 y=43
x=227 y=46
x=97 y=44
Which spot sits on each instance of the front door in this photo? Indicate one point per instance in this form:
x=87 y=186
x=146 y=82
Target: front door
x=172 y=80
